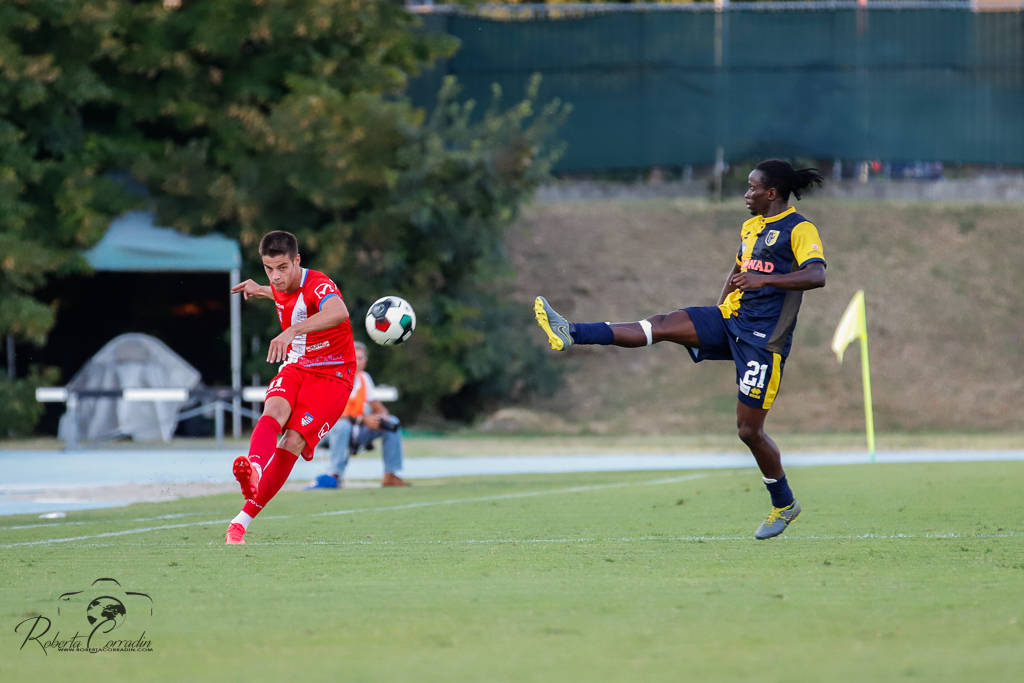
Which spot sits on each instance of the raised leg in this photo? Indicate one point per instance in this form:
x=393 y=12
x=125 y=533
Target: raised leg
x=671 y=327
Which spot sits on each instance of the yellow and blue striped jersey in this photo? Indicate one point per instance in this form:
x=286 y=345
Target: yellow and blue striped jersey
x=778 y=244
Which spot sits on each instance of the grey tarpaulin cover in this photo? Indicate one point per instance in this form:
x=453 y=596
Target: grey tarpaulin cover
x=129 y=361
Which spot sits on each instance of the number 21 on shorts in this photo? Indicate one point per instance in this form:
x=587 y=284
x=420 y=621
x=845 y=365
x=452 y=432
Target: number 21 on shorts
x=754 y=377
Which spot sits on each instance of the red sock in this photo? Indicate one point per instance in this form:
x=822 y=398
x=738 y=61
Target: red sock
x=264 y=440
x=274 y=476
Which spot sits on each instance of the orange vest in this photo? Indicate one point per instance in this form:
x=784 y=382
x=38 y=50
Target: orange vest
x=357 y=399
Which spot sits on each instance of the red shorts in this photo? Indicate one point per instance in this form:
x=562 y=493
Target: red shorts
x=316 y=398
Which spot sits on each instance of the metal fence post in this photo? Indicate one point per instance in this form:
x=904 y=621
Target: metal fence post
x=71 y=442
x=218 y=420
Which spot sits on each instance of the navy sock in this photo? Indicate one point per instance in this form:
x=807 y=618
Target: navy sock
x=781 y=495
x=591 y=333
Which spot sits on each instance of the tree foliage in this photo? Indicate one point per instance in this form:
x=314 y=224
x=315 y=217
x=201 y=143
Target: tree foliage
x=54 y=199
x=241 y=117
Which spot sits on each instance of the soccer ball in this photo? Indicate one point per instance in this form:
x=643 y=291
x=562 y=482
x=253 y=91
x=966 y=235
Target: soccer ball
x=390 y=320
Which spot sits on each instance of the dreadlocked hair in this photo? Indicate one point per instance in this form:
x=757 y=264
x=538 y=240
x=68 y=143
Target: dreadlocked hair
x=785 y=179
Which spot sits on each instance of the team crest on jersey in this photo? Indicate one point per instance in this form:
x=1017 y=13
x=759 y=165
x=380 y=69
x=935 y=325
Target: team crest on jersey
x=323 y=289
x=306 y=419
x=770 y=238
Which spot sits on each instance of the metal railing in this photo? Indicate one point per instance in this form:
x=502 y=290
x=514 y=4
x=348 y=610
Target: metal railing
x=213 y=402
x=566 y=10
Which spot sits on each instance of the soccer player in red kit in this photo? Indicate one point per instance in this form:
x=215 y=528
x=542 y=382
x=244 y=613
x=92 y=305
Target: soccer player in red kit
x=310 y=391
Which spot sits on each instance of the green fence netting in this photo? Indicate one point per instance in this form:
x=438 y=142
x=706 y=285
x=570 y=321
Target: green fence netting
x=668 y=87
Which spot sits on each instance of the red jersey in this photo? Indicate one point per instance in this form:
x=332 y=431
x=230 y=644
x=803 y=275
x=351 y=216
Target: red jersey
x=324 y=350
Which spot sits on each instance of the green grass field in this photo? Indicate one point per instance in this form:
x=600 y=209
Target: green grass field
x=893 y=572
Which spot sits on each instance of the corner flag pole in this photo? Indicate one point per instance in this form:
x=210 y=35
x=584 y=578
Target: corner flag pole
x=851 y=326
x=865 y=371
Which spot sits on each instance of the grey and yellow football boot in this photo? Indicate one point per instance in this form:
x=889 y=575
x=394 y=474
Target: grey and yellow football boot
x=778 y=520
x=555 y=326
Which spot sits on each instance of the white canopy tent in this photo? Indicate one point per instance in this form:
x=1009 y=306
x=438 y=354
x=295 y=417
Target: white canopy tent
x=128 y=361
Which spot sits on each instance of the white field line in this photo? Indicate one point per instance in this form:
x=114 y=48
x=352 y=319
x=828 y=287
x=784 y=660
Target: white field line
x=408 y=506
x=788 y=538
x=512 y=496
x=656 y=539
x=176 y=515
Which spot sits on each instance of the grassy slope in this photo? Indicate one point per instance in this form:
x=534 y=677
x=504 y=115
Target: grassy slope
x=628 y=578
x=945 y=322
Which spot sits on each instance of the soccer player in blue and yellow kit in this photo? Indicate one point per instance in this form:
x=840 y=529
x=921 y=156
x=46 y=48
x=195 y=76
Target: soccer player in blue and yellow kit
x=780 y=256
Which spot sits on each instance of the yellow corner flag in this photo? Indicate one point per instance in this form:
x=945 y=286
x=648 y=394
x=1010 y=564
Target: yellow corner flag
x=854 y=325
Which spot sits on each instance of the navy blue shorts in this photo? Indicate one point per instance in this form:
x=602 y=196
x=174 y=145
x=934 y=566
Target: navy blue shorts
x=758 y=372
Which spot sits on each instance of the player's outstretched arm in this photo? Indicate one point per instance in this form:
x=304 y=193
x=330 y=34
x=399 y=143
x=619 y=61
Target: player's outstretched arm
x=250 y=289
x=333 y=312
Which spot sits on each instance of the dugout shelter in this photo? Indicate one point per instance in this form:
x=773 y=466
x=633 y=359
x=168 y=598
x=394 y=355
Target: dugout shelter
x=134 y=244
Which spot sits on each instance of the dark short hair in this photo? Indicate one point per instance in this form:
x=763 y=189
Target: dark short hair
x=785 y=179
x=279 y=242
